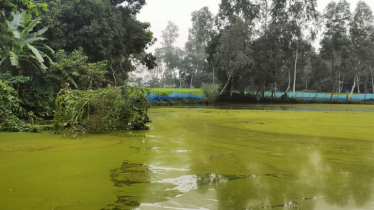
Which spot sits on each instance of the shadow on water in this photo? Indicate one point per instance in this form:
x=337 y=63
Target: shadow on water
x=129 y=174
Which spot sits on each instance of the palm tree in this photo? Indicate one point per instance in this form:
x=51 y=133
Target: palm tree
x=19 y=44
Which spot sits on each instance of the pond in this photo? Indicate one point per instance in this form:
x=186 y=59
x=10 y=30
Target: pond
x=233 y=157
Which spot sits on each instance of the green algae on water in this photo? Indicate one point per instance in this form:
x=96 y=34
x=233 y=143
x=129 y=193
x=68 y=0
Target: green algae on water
x=200 y=158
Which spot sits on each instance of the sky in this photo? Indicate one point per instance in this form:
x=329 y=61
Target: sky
x=159 y=12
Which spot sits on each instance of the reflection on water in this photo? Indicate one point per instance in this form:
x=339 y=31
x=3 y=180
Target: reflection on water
x=133 y=174
x=236 y=159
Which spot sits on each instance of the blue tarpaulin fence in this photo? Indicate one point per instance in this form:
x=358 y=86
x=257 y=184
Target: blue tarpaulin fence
x=301 y=95
x=173 y=96
x=322 y=96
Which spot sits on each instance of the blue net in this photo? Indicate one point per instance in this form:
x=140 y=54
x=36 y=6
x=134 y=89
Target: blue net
x=322 y=96
x=301 y=95
x=174 y=96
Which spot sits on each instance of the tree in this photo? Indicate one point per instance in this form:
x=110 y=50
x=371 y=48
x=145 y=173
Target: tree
x=198 y=37
x=74 y=69
x=104 y=29
x=169 y=54
x=360 y=29
x=8 y=6
x=299 y=20
x=337 y=17
x=230 y=10
x=233 y=52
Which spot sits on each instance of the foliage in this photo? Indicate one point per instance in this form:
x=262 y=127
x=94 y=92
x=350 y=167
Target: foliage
x=10 y=107
x=210 y=92
x=104 y=29
x=96 y=111
x=170 y=55
x=22 y=48
x=201 y=78
x=194 y=60
x=234 y=53
x=14 y=5
x=74 y=69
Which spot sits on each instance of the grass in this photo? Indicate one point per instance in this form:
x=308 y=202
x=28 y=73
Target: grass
x=168 y=91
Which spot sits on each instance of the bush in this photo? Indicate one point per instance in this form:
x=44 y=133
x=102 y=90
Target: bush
x=97 y=111
x=210 y=92
x=10 y=107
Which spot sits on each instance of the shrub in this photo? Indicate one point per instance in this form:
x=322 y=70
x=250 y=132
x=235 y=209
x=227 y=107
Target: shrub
x=210 y=92
x=97 y=111
x=10 y=107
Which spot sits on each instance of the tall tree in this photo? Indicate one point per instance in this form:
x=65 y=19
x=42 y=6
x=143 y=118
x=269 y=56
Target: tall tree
x=299 y=20
x=169 y=54
x=198 y=37
x=234 y=53
x=337 y=17
x=360 y=29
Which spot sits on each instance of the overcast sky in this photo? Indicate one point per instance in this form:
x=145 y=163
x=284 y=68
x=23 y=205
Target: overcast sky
x=159 y=12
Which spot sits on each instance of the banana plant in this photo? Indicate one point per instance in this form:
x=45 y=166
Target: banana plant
x=19 y=43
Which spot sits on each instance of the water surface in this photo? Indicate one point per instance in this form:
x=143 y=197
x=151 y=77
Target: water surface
x=274 y=157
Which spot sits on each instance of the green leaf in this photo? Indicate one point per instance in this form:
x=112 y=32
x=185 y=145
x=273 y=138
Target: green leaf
x=46 y=56
x=42 y=31
x=31 y=39
x=49 y=48
x=26 y=18
x=73 y=82
x=2 y=61
x=36 y=53
x=15 y=23
x=13 y=59
x=29 y=27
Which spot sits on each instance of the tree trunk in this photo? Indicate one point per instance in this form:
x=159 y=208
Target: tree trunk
x=366 y=85
x=275 y=89
x=353 y=87
x=294 y=76
x=372 y=79
x=228 y=80
x=213 y=75
x=289 y=80
x=358 y=83
x=191 y=80
x=332 y=79
x=337 y=85
x=272 y=92
x=306 y=84
x=231 y=88
x=339 y=82
x=341 y=86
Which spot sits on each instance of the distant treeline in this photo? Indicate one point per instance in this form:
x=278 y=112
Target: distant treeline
x=266 y=45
